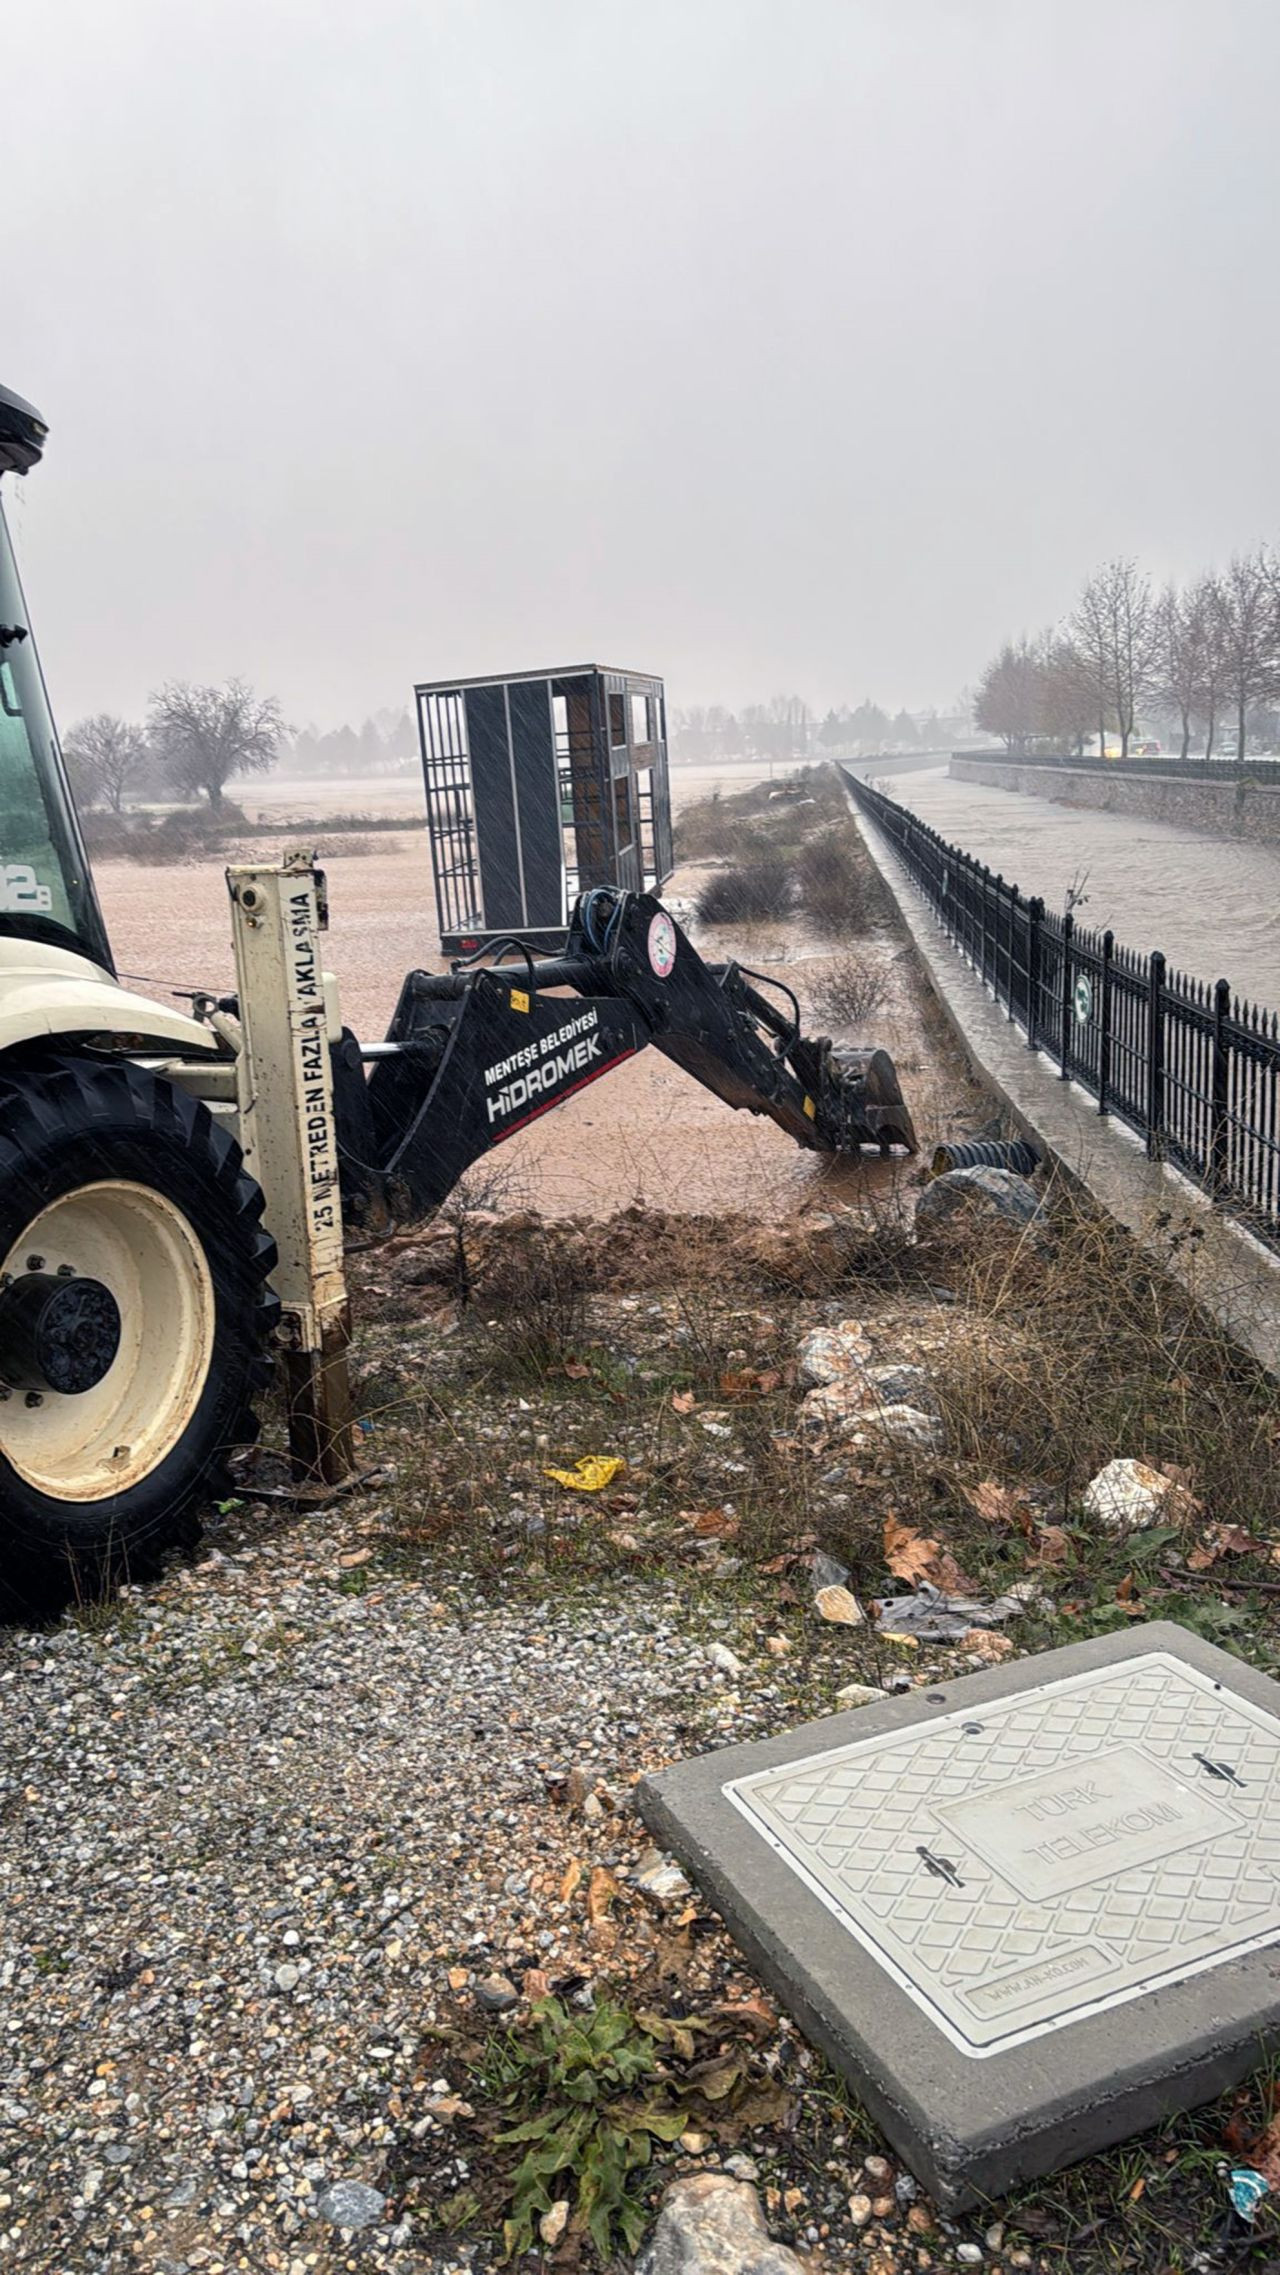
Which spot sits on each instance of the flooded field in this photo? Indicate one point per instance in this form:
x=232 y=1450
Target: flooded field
x=1212 y=904
x=647 y=1132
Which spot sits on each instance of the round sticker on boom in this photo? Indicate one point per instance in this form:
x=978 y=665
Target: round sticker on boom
x=662 y=945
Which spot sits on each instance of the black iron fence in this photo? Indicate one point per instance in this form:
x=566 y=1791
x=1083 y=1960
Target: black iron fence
x=1185 y=1063
x=1241 y=774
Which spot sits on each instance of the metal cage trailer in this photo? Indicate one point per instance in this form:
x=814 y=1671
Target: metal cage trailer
x=542 y=785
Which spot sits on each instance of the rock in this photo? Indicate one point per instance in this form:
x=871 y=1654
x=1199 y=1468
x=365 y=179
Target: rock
x=553 y=2223
x=969 y=2254
x=742 y=2168
x=726 y=1660
x=906 y=1425
x=350 y=2204
x=826 y=1572
x=900 y=1385
x=287 y=1978
x=496 y=1993
x=839 y=1409
x=857 y=1694
x=877 y=2169
x=1129 y=1494
x=829 y=1354
x=657 y=1876
x=905 y=2188
x=859 y=2210
x=777 y=1646
x=711 y=2225
x=576 y=1788
x=837 y=1605
x=978 y=1195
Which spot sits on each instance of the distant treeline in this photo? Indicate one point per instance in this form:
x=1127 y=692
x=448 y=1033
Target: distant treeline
x=385 y=743
x=1200 y=663
x=785 y=728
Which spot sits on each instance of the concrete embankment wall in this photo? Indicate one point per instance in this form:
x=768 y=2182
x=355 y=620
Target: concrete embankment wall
x=1223 y=1268
x=1215 y=809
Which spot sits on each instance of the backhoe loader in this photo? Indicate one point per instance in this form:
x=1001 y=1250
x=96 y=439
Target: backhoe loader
x=174 y=1184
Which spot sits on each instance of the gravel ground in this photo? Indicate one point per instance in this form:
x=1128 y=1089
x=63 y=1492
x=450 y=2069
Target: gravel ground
x=251 y=1824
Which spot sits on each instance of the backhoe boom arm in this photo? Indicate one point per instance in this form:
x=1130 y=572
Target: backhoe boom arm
x=475 y=1054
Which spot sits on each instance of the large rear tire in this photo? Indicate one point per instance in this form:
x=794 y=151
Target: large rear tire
x=131 y=1235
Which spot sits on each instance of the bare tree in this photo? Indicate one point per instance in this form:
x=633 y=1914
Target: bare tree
x=1213 y=657
x=1115 y=630
x=1007 y=701
x=205 y=735
x=105 y=755
x=1245 y=605
x=1066 y=697
x=1089 y=636
x=1190 y=662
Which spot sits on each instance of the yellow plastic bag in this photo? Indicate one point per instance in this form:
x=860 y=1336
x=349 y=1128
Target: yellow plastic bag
x=591 y=1474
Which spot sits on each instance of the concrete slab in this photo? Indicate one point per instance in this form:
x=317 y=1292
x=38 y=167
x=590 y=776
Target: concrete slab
x=1027 y=1914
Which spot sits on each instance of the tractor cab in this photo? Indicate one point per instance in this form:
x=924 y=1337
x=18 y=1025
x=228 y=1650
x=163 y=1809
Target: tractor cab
x=46 y=889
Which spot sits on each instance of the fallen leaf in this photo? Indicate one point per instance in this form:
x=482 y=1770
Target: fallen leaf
x=948 y=1576
x=1128 y=1599
x=536 y=1984
x=909 y=1555
x=356 y=1556
x=763 y=2103
x=1264 y=2155
x=838 y=1605
x=758 y=2016
x=571 y=1882
x=1053 y=1545
x=716 y=2079
x=682 y=1402
x=750 y=1382
x=602 y=1889
x=710 y=1524
x=1222 y=1540
x=590 y=1474
x=1000 y=1505
x=577 y=1370
x=984 y=1643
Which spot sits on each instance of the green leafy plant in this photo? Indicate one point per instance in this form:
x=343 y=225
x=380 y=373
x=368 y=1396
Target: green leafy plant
x=596 y=2103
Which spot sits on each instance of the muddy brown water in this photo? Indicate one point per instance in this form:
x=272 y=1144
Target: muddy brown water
x=1212 y=904
x=648 y=1133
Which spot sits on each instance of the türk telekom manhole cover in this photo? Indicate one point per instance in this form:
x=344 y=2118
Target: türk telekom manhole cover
x=1027 y=1913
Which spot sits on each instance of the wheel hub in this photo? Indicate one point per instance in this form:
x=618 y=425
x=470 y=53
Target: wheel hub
x=58 y=1332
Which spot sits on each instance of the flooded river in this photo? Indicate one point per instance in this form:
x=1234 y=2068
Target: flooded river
x=1212 y=904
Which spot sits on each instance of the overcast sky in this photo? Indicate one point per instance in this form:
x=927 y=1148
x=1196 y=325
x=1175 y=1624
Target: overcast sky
x=771 y=345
